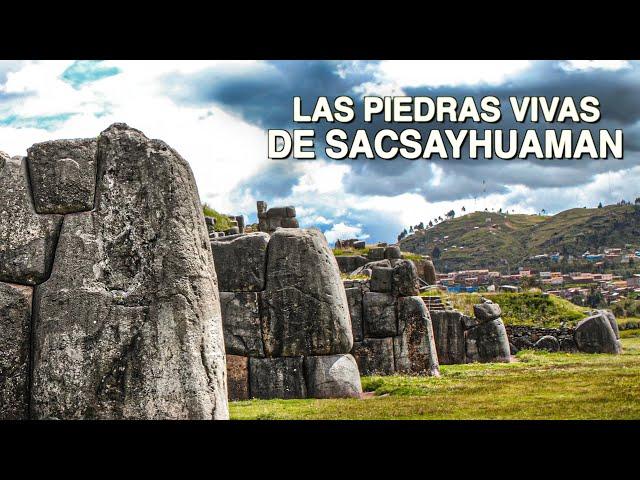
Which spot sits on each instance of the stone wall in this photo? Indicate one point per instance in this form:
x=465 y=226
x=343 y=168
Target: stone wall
x=269 y=220
x=524 y=336
x=108 y=298
x=392 y=329
x=285 y=316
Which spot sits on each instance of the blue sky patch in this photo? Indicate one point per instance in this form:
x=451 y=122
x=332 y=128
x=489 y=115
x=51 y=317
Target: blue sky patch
x=82 y=72
x=44 y=122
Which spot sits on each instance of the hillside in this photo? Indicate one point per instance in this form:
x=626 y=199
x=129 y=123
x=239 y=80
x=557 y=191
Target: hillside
x=490 y=239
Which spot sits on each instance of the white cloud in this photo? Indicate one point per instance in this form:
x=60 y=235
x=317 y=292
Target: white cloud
x=435 y=73
x=595 y=64
x=342 y=231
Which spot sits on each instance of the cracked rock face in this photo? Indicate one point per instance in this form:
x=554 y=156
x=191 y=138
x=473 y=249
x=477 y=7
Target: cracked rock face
x=63 y=175
x=15 y=330
x=128 y=326
x=304 y=304
x=27 y=240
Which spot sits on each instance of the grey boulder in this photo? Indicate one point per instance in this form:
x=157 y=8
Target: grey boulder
x=354 y=299
x=305 y=308
x=487 y=311
x=332 y=376
x=595 y=335
x=488 y=342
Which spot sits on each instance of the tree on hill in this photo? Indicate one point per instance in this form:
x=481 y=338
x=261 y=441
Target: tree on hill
x=464 y=209
x=430 y=223
x=421 y=225
x=638 y=201
x=436 y=252
x=450 y=214
x=410 y=229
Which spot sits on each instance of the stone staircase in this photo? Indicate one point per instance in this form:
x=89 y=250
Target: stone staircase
x=434 y=304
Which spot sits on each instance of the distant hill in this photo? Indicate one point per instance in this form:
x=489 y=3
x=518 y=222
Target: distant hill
x=491 y=239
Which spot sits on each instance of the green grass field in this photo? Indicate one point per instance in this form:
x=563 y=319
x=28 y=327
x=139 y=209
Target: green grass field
x=538 y=385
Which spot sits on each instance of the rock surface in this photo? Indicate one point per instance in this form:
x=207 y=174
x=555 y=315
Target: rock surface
x=129 y=326
x=241 y=262
x=305 y=309
x=488 y=342
x=405 y=279
x=27 y=240
x=448 y=332
x=595 y=335
x=487 y=311
x=374 y=356
x=63 y=175
x=354 y=299
x=241 y=323
x=281 y=377
x=15 y=333
x=414 y=347
x=332 y=376
x=381 y=279
x=379 y=315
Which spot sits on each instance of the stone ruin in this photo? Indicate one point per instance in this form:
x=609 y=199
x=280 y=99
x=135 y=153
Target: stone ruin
x=236 y=222
x=285 y=315
x=392 y=329
x=273 y=218
x=108 y=294
x=463 y=339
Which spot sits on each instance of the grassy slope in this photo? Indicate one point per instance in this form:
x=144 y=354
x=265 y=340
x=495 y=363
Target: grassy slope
x=539 y=386
x=527 y=308
x=222 y=221
x=516 y=237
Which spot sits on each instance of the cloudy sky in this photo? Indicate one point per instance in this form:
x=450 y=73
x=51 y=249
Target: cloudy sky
x=216 y=114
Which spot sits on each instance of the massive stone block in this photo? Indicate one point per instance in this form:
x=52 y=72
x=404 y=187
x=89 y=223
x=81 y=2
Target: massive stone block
x=379 y=314
x=129 y=325
x=448 y=332
x=414 y=347
x=281 y=377
x=488 y=342
x=332 y=376
x=241 y=262
x=27 y=240
x=354 y=299
x=241 y=323
x=595 y=335
x=374 y=356
x=305 y=309
x=63 y=175
x=15 y=331
x=405 y=279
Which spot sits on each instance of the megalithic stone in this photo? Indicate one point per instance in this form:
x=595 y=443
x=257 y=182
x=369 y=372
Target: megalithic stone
x=27 y=240
x=129 y=325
